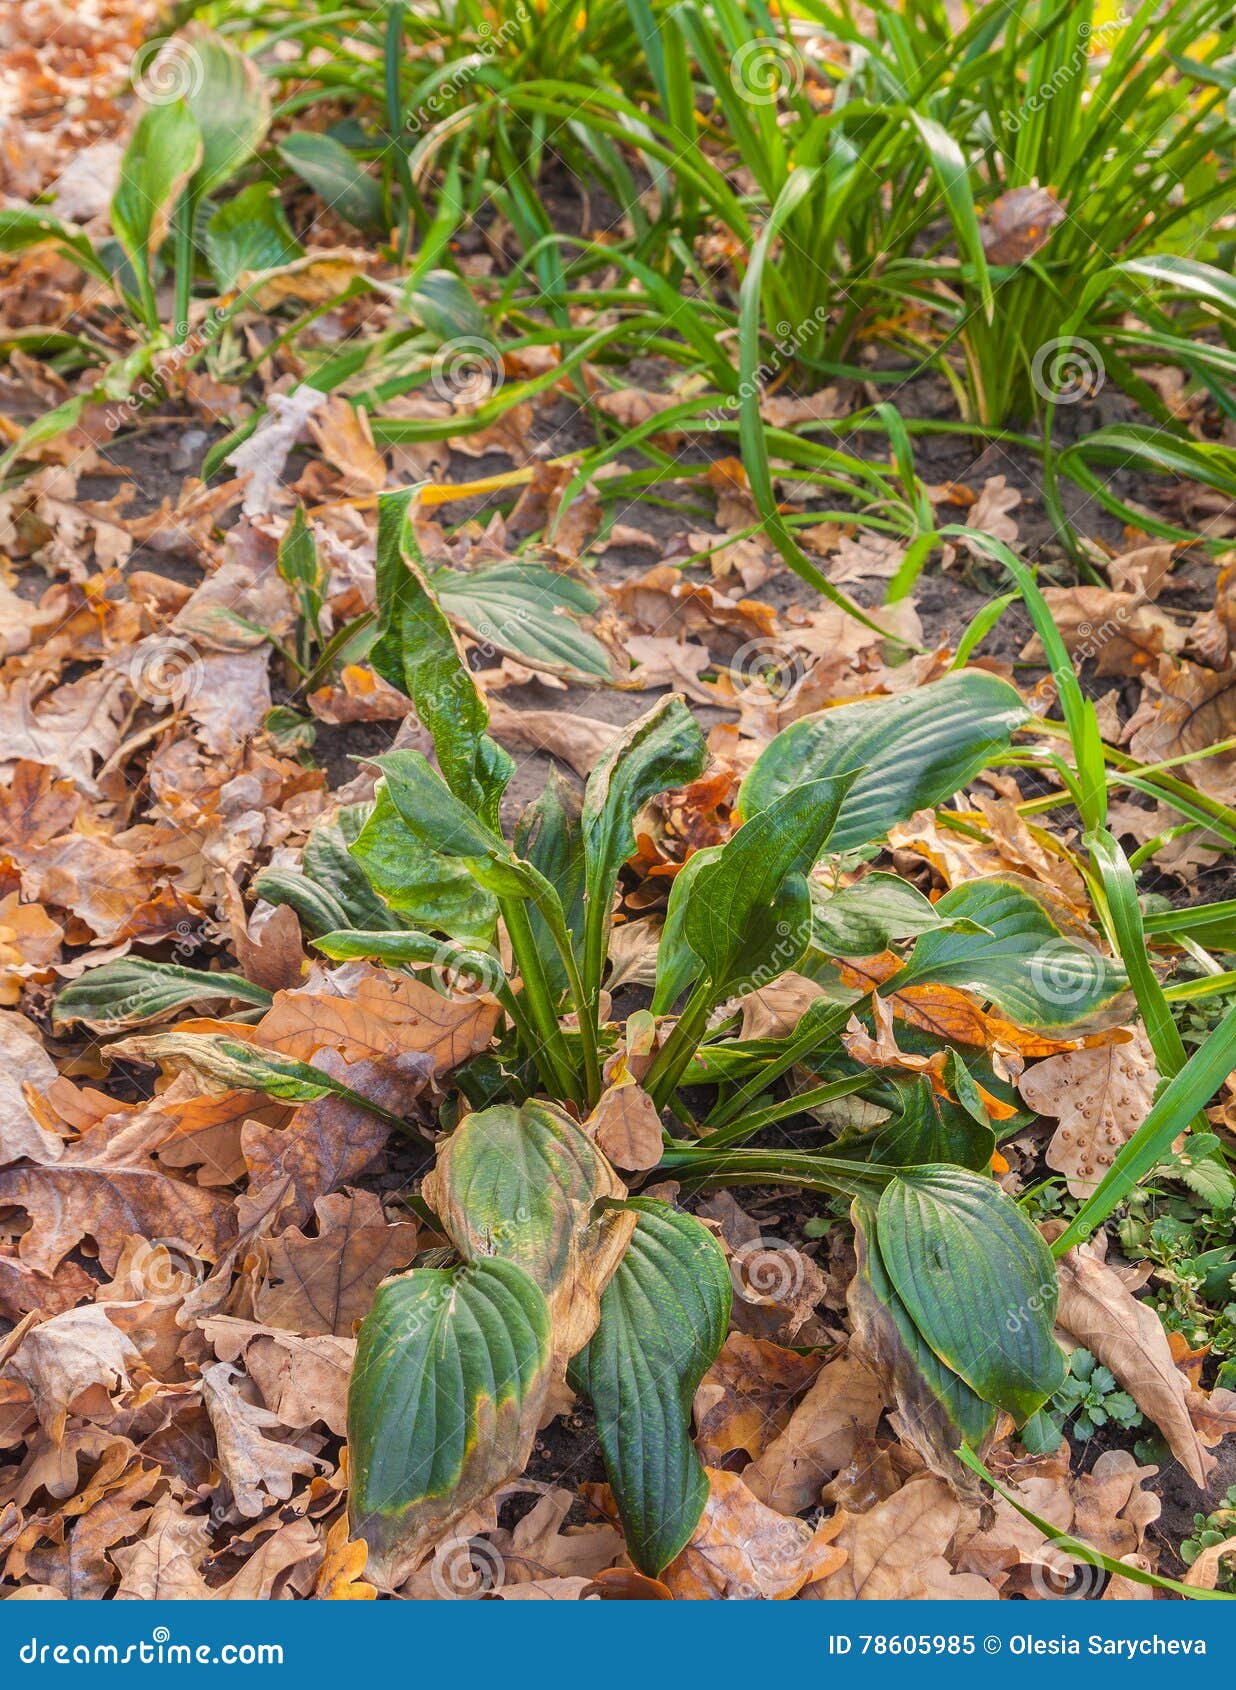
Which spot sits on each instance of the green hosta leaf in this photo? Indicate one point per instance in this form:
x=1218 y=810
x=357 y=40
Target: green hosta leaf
x=928 y=1129
x=457 y=967
x=663 y=1320
x=529 y=612
x=450 y=1377
x=526 y=1183
x=226 y=93
x=417 y=652
x=549 y=836
x=937 y=1409
x=131 y=989
x=663 y=749
x=1023 y=962
x=861 y=920
x=23 y=228
x=443 y=303
x=227 y=1064
x=912 y=751
x=163 y=152
x=336 y=177
x=248 y=235
x=748 y=912
x=977 y=1280
x=421 y=884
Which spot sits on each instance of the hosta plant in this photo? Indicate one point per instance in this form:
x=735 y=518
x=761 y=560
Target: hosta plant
x=555 y=1270
x=559 y=1269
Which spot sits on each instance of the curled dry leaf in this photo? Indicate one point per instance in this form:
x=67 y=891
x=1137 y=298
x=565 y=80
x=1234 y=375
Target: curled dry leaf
x=626 y=1126
x=744 y=1400
x=1102 y=1314
x=743 y=1550
x=839 y=1411
x=897 y=1551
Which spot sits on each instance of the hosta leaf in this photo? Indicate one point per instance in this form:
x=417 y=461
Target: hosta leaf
x=862 y=919
x=248 y=235
x=162 y=154
x=529 y=612
x=227 y=95
x=664 y=748
x=417 y=652
x=928 y=1128
x=24 y=227
x=459 y=967
x=912 y=751
x=748 y=913
x=549 y=836
x=936 y=1408
x=447 y=1389
x=1024 y=962
x=131 y=989
x=526 y=1183
x=663 y=1321
x=336 y=177
x=226 y=1064
x=421 y=884
x=977 y=1280
x=443 y=303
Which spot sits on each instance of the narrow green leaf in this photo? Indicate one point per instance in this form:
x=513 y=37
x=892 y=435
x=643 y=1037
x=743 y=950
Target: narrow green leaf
x=664 y=748
x=132 y=989
x=417 y=652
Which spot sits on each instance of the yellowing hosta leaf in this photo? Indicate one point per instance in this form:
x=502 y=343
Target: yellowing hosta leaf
x=526 y=1184
x=1027 y=962
x=451 y=1372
